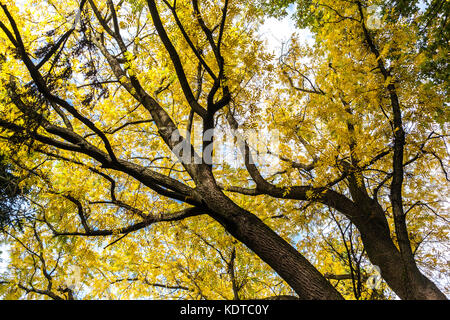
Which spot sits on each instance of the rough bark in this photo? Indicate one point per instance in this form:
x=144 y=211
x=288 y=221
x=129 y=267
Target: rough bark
x=295 y=269
x=405 y=280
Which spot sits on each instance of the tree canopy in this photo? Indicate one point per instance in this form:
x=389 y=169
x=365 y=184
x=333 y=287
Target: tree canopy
x=167 y=153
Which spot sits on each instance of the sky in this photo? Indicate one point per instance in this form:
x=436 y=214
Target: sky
x=278 y=32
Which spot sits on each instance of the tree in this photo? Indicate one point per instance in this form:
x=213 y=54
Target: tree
x=99 y=96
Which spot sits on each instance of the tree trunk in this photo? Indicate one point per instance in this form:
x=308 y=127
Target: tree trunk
x=298 y=272
x=402 y=276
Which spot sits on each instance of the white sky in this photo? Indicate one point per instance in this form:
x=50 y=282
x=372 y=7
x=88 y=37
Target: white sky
x=278 y=32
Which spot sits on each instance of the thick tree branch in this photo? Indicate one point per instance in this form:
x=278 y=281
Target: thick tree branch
x=149 y=220
x=399 y=143
x=175 y=59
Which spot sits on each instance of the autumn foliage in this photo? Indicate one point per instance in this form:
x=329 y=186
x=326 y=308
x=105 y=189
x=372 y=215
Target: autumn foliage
x=342 y=195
